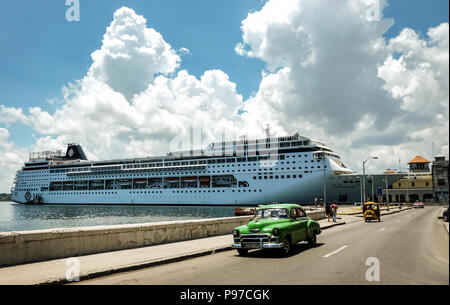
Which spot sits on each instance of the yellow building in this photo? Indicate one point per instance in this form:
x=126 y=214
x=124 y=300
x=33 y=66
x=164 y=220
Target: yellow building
x=417 y=185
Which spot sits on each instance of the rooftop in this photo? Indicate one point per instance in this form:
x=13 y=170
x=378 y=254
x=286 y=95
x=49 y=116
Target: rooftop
x=419 y=159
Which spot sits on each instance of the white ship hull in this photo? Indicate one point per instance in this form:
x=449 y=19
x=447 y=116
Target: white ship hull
x=296 y=176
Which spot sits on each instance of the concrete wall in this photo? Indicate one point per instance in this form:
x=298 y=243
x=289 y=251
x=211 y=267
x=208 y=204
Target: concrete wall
x=32 y=246
x=316 y=215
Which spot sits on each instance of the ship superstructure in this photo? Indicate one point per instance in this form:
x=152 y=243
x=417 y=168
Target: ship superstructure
x=243 y=172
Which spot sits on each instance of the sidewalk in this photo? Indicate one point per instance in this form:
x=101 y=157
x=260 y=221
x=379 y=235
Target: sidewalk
x=54 y=271
x=358 y=210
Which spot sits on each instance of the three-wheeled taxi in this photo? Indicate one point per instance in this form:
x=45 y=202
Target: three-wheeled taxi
x=371 y=211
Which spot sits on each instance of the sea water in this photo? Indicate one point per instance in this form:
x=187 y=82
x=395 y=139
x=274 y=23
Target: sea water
x=21 y=217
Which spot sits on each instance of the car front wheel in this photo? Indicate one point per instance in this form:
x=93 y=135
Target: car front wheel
x=242 y=252
x=286 y=247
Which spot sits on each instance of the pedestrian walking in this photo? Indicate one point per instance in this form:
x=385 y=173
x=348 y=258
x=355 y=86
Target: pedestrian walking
x=328 y=210
x=334 y=208
x=316 y=201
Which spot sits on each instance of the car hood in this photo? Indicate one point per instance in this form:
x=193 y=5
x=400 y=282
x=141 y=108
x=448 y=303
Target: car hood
x=262 y=223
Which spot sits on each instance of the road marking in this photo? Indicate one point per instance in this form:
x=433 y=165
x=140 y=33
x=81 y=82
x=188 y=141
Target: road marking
x=334 y=252
x=382 y=229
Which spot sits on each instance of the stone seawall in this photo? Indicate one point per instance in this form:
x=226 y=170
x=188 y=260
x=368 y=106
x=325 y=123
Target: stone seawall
x=33 y=246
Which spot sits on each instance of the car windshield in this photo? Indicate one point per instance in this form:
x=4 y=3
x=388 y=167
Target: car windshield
x=272 y=213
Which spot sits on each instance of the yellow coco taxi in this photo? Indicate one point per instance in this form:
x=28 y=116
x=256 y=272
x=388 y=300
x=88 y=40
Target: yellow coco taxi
x=371 y=211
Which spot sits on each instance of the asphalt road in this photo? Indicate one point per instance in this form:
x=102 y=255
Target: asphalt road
x=411 y=247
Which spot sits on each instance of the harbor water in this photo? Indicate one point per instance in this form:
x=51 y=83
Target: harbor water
x=20 y=217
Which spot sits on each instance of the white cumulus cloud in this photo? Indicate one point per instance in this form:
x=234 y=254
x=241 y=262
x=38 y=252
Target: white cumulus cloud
x=330 y=74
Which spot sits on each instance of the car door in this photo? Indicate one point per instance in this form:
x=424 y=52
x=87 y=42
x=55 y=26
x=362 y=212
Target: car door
x=295 y=226
x=302 y=220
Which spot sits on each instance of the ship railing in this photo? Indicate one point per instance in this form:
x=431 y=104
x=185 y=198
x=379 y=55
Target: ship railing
x=200 y=166
x=45 y=155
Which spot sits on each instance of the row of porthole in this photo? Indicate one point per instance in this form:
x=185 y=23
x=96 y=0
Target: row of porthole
x=278 y=177
x=190 y=173
x=213 y=191
x=145 y=192
x=209 y=171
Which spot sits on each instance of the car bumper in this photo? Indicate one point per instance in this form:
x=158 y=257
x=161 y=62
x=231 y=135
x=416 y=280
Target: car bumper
x=257 y=245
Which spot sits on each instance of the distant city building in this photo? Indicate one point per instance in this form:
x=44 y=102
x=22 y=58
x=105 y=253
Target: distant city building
x=417 y=185
x=419 y=165
x=440 y=179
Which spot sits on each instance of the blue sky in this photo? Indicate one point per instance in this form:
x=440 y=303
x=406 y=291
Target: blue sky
x=40 y=52
x=43 y=52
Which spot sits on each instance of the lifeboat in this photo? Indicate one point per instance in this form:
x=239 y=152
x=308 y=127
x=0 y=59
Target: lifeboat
x=124 y=182
x=172 y=179
x=140 y=180
x=204 y=180
x=189 y=179
x=68 y=183
x=56 y=183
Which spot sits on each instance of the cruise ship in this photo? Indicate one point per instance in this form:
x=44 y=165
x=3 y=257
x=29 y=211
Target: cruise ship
x=247 y=172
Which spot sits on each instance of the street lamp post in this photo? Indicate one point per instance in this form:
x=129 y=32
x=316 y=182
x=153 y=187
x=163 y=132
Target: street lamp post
x=364 y=177
x=371 y=178
x=360 y=189
x=387 y=195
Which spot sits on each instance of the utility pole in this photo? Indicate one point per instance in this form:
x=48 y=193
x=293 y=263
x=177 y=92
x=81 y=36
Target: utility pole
x=324 y=181
x=364 y=178
x=387 y=194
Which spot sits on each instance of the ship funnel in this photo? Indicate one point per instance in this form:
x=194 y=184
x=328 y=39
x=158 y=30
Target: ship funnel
x=75 y=152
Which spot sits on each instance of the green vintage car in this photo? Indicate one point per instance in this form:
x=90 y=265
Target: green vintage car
x=276 y=226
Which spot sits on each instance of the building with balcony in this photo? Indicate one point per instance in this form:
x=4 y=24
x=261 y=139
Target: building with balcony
x=417 y=185
x=440 y=179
